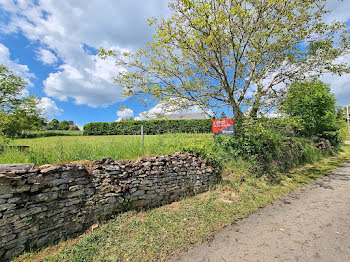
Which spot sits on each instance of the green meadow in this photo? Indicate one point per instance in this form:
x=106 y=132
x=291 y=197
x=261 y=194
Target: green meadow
x=63 y=149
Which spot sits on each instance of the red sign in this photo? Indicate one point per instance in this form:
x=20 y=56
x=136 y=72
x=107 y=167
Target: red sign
x=223 y=126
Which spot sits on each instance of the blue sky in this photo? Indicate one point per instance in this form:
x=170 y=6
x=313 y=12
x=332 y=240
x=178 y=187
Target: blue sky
x=52 y=44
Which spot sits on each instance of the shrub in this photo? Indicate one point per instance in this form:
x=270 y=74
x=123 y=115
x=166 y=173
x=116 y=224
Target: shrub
x=3 y=143
x=150 y=127
x=262 y=145
x=313 y=102
x=74 y=128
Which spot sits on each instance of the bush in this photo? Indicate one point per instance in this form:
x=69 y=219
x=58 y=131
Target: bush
x=50 y=133
x=150 y=127
x=313 y=102
x=262 y=145
x=3 y=143
x=74 y=128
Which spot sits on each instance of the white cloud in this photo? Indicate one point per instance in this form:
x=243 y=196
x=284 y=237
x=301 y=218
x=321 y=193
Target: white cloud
x=92 y=85
x=46 y=56
x=66 y=27
x=166 y=108
x=13 y=65
x=340 y=11
x=49 y=107
x=340 y=85
x=125 y=114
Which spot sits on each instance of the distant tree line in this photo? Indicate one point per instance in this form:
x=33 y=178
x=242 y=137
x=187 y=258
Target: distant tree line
x=63 y=125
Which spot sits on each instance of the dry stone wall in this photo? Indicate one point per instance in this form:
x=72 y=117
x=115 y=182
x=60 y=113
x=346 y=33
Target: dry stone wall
x=41 y=205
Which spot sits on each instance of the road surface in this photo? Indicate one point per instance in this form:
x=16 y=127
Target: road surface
x=310 y=224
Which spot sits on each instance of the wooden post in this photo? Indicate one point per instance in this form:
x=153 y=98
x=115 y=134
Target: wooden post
x=348 y=118
x=142 y=136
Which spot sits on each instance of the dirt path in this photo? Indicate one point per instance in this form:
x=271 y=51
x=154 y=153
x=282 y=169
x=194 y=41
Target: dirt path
x=311 y=224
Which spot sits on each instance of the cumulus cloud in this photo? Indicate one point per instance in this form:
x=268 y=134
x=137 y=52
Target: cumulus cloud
x=125 y=114
x=49 y=108
x=92 y=85
x=46 y=56
x=164 y=109
x=66 y=28
x=13 y=65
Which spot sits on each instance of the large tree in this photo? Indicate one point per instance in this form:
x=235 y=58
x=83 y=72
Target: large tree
x=54 y=124
x=232 y=53
x=63 y=125
x=313 y=102
x=18 y=112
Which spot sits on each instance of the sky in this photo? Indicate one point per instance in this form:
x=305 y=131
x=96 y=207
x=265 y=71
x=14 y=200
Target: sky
x=53 y=46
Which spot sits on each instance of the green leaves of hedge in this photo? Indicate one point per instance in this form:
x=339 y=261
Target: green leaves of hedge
x=150 y=127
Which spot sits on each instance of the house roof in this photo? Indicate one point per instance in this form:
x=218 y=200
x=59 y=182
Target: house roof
x=187 y=116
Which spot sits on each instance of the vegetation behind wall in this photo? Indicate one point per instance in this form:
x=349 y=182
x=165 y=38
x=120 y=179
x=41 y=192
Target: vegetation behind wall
x=150 y=127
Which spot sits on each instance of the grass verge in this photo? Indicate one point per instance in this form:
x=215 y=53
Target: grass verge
x=160 y=233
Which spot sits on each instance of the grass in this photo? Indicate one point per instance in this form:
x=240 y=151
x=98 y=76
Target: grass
x=163 y=232
x=47 y=133
x=62 y=149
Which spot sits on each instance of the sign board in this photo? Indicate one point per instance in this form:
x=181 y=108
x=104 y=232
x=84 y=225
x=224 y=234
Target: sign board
x=223 y=127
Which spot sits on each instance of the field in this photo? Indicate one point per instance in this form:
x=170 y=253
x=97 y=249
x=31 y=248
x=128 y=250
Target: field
x=62 y=149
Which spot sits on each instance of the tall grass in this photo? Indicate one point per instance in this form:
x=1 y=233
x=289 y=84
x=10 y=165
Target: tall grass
x=48 y=150
x=48 y=133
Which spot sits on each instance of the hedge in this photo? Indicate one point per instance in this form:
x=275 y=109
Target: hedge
x=150 y=127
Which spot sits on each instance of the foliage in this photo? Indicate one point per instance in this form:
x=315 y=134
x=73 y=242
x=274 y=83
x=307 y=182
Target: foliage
x=263 y=145
x=17 y=112
x=49 y=133
x=3 y=143
x=313 y=102
x=74 y=128
x=213 y=53
x=63 y=125
x=11 y=91
x=54 y=124
x=150 y=127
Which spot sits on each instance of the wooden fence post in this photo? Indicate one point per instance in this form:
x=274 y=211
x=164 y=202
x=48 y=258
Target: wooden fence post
x=142 y=136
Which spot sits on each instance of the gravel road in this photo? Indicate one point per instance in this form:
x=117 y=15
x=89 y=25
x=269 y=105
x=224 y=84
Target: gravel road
x=310 y=224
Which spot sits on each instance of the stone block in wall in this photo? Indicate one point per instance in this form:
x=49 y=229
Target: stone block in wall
x=43 y=204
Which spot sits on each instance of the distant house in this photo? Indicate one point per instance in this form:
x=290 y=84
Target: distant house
x=187 y=116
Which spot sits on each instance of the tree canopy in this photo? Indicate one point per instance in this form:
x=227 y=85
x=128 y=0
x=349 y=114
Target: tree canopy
x=63 y=125
x=314 y=103
x=214 y=54
x=54 y=124
x=11 y=92
x=17 y=111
